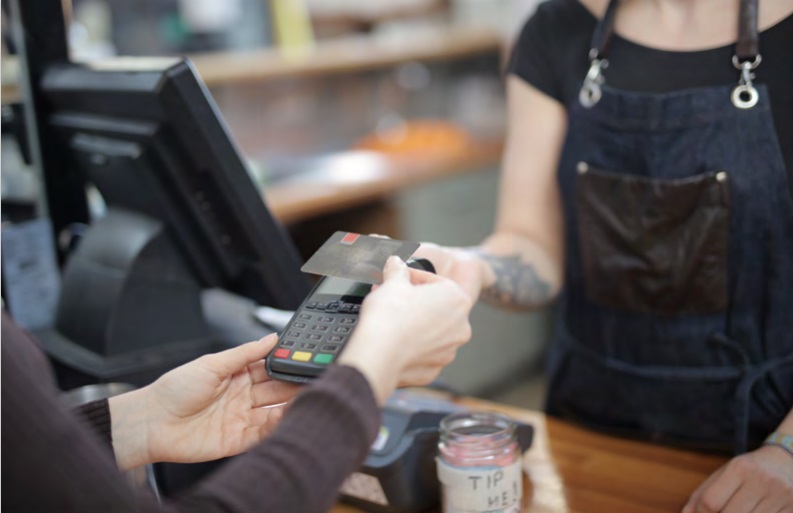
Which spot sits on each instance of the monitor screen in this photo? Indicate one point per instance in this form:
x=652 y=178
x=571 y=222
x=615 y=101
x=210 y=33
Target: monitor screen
x=147 y=133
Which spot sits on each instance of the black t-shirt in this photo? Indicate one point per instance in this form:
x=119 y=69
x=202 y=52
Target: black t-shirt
x=552 y=51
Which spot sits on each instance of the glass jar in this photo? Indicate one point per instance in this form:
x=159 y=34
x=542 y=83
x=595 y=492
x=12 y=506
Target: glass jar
x=479 y=463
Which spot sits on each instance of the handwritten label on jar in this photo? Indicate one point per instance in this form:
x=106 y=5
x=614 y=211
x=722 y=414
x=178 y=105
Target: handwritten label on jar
x=480 y=489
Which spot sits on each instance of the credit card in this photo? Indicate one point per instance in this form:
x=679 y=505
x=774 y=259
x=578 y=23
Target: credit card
x=357 y=257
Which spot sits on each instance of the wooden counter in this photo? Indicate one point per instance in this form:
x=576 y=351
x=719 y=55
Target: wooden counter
x=353 y=178
x=571 y=470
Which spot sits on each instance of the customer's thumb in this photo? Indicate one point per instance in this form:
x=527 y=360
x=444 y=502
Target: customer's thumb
x=395 y=269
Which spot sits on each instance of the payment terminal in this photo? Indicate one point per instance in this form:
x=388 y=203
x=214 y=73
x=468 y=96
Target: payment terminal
x=315 y=336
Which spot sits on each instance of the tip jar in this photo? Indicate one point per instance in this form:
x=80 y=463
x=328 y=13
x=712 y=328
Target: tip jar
x=479 y=464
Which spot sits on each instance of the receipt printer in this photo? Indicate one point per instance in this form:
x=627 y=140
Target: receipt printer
x=399 y=475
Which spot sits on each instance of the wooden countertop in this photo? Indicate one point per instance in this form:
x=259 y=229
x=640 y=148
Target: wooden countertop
x=571 y=470
x=356 y=177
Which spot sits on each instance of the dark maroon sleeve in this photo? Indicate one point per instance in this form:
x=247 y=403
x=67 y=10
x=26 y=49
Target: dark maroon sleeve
x=323 y=438
x=54 y=462
x=97 y=415
x=58 y=463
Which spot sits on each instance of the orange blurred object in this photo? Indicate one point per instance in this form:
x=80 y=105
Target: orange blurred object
x=433 y=137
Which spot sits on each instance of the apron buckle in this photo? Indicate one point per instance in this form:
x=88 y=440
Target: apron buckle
x=591 y=91
x=745 y=96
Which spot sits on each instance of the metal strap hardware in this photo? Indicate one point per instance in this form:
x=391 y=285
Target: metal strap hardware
x=591 y=90
x=744 y=95
x=747 y=56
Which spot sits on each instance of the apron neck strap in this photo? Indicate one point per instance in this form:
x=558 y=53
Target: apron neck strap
x=747 y=48
x=746 y=58
x=602 y=35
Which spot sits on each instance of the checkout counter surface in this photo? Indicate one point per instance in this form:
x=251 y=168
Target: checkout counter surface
x=572 y=470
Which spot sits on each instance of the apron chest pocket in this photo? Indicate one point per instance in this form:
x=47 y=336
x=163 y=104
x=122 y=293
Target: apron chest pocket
x=654 y=245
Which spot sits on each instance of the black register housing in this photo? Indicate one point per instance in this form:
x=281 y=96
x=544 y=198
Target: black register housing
x=183 y=216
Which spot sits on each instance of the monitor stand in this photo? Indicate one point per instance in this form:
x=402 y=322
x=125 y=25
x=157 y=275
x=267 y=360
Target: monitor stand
x=130 y=309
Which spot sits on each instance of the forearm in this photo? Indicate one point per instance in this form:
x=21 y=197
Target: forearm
x=323 y=437
x=786 y=426
x=517 y=272
x=381 y=373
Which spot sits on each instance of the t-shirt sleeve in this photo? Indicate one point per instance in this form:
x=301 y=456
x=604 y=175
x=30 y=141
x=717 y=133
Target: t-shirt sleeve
x=532 y=54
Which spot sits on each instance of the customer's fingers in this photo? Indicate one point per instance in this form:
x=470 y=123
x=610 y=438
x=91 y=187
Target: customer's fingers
x=272 y=392
x=395 y=270
x=419 y=277
x=264 y=419
x=257 y=372
x=238 y=358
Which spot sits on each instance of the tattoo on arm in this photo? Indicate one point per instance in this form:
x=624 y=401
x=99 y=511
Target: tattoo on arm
x=517 y=284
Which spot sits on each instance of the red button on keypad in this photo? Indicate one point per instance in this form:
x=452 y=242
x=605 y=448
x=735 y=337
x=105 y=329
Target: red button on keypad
x=282 y=353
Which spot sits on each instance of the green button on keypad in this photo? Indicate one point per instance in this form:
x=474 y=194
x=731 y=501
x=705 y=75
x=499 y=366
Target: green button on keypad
x=323 y=358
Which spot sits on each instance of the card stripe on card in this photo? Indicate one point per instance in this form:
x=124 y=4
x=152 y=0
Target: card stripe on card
x=350 y=238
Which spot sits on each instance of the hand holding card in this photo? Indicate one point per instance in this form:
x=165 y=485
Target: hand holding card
x=317 y=333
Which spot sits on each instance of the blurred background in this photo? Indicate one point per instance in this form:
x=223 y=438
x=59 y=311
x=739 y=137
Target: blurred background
x=375 y=117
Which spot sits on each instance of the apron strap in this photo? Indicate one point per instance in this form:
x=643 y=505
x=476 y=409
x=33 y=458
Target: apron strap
x=591 y=92
x=747 y=48
x=747 y=56
x=602 y=35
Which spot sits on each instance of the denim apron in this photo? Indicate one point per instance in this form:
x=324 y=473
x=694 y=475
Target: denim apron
x=676 y=319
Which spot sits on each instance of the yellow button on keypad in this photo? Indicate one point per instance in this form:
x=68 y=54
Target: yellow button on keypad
x=301 y=356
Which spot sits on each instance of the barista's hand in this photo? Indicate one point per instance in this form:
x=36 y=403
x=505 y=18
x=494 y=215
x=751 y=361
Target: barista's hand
x=760 y=481
x=459 y=265
x=207 y=409
x=410 y=328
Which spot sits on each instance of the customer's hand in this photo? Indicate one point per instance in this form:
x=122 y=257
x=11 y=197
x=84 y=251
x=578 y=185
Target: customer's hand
x=760 y=481
x=459 y=265
x=410 y=328
x=215 y=406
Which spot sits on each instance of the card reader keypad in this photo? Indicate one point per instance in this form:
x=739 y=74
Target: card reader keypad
x=318 y=333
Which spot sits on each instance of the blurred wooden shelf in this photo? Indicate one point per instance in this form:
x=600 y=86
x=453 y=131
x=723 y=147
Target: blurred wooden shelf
x=327 y=57
x=345 y=55
x=374 y=13
x=352 y=178
x=355 y=178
